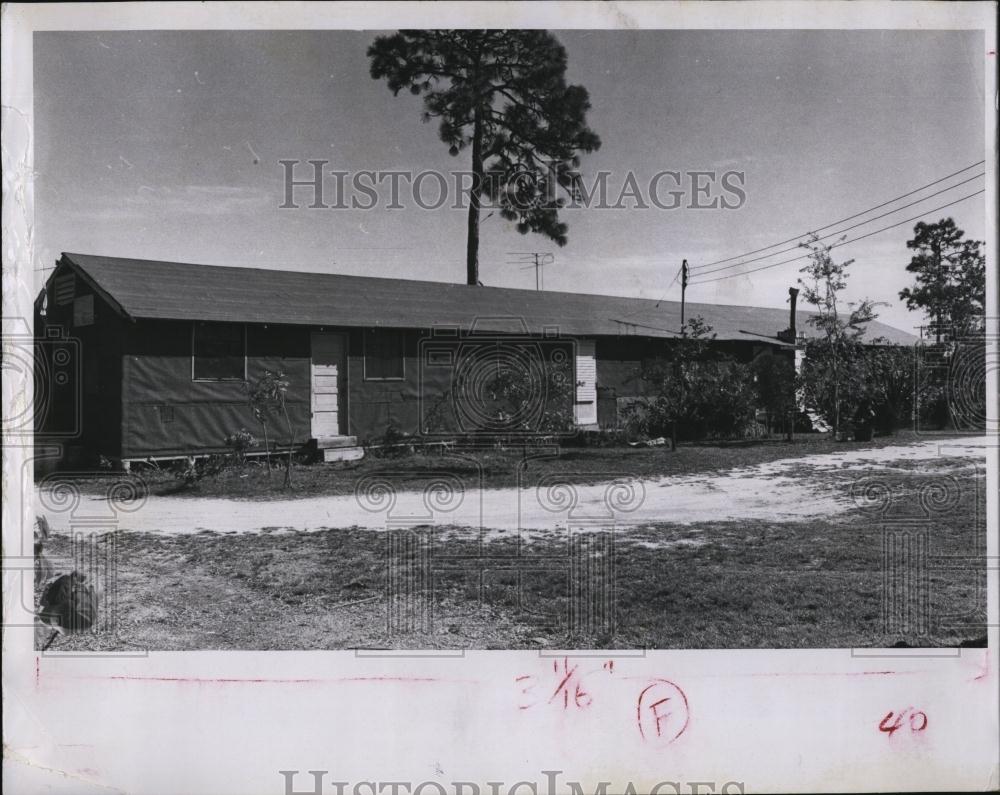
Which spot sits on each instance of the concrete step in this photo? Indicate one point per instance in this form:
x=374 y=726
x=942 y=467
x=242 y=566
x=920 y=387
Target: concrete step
x=328 y=442
x=342 y=453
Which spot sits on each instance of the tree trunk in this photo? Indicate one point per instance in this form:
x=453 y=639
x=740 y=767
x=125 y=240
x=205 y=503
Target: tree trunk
x=472 y=246
x=836 y=406
x=291 y=438
x=267 y=449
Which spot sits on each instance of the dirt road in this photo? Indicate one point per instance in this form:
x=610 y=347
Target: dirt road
x=784 y=490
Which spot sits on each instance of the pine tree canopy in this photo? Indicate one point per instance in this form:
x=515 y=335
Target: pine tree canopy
x=502 y=95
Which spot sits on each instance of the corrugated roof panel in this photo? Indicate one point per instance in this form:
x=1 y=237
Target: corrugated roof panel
x=182 y=291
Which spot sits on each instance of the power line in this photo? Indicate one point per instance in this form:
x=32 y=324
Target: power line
x=658 y=300
x=841 y=231
x=838 y=245
x=842 y=220
x=672 y=282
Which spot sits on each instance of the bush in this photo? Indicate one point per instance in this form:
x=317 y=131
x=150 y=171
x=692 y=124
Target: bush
x=190 y=470
x=391 y=443
x=832 y=379
x=267 y=399
x=240 y=443
x=889 y=387
x=774 y=387
x=698 y=391
x=932 y=408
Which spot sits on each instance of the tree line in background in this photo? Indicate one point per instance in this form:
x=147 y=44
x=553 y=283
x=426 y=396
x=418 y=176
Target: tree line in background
x=851 y=384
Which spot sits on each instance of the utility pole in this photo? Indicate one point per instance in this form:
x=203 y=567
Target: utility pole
x=676 y=368
x=940 y=287
x=684 y=285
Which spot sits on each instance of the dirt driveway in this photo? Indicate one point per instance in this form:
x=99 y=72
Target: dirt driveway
x=779 y=491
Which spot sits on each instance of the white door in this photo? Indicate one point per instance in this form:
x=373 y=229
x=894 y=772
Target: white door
x=329 y=378
x=586 y=383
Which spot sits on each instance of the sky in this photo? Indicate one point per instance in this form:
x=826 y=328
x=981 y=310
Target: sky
x=166 y=145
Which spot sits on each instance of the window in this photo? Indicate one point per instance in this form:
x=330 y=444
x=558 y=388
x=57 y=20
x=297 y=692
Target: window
x=383 y=355
x=218 y=352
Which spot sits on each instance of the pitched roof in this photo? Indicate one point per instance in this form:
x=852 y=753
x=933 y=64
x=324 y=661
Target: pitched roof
x=181 y=291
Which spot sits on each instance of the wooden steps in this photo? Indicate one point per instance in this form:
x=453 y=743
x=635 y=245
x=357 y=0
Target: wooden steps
x=338 y=448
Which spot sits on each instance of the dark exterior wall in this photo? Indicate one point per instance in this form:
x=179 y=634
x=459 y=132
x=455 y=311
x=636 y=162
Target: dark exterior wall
x=620 y=361
x=80 y=404
x=422 y=401
x=406 y=404
x=619 y=365
x=375 y=405
x=167 y=412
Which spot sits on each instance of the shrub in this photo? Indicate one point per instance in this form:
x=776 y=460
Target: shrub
x=391 y=443
x=698 y=392
x=774 y=387
x=266 y=396
x=832 y=379
x=889 y=389
x=240 y=443
x=190 y=470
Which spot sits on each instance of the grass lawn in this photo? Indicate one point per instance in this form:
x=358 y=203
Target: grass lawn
x=743 y=584
x=496 y=468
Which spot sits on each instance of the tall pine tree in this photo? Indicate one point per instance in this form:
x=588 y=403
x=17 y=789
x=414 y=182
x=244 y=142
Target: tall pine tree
x=950 y=276
x=502 y=95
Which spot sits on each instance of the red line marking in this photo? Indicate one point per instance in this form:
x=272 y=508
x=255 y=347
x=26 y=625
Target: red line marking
x=833 y=673
x=562 y=684
x=986 y=668
x=777 y=674
x=237 y=681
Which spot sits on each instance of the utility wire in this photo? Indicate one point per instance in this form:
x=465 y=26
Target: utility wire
x=672 y=283
x=842 y=220
x=845 y=229
x=837 y=245
x=658 y=300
